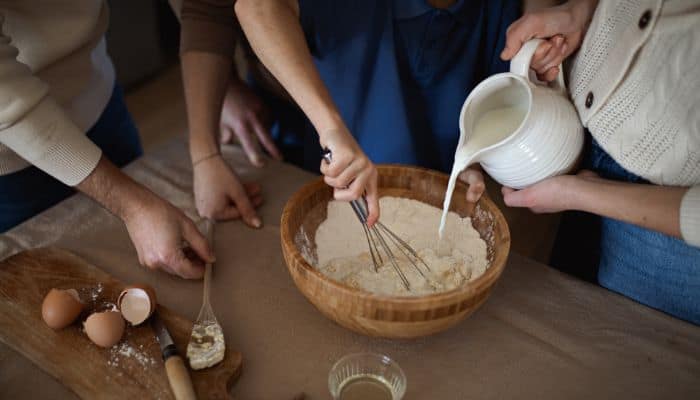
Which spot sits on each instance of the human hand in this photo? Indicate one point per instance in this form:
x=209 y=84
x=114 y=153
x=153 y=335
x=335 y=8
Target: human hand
x=563 y=28
x=473 y=177
x=551 y=195
x=245 y=117
x=158 y=231
x=350 y=172
x=219 y=194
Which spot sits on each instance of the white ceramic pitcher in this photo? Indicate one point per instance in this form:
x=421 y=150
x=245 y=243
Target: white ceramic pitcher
x=548 y=141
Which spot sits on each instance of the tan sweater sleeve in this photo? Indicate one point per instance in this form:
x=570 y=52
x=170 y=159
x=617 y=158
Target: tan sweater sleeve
x=208 y=26
x=35 y=127
x=690 y=216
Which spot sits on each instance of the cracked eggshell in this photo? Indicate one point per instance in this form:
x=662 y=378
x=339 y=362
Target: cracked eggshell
x=137 y=303
x=106 y=328
x=61 y=307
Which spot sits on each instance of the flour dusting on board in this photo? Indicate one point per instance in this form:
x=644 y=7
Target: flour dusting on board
x=126 y=350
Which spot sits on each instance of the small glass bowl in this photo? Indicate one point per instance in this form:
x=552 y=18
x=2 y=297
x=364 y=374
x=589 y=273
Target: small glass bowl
x=373 y=365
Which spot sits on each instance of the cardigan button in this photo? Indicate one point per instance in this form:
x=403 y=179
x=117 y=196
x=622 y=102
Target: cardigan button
x=589 y=100
x=644 y=20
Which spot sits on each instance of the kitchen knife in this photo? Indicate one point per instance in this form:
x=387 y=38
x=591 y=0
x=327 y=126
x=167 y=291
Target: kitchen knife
x=178 y=376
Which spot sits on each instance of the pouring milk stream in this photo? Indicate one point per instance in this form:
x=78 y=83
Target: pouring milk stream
x=520 y=132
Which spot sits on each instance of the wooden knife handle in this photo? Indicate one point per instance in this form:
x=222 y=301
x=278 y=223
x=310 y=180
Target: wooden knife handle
x=179 y=378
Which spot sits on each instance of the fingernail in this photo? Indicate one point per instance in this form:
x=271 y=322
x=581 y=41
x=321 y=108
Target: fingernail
x=257 y=161
x=256 y=222
x=505 y=52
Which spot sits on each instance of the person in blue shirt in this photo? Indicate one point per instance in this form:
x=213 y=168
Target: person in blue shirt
x=380 y=81
x=374 y=81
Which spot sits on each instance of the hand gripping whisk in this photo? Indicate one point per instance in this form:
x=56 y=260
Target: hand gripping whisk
x=380 y=239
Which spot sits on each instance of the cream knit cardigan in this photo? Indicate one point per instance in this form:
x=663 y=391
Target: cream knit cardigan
x=636 y=85
x=55 y=80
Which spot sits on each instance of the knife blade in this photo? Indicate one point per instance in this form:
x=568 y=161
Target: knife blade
x=178 y=376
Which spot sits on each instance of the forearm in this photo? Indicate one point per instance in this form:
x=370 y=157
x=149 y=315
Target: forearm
x=650 y=206
x=114 y=190
x=205 y=77
x=276 y=36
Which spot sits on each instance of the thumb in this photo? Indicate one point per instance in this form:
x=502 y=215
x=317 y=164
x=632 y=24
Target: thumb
x=178 y=263
x=518 y=33
x=529 y=26
x=506 y=190
x=372 y=197
x=514 y=198
x=197 y=241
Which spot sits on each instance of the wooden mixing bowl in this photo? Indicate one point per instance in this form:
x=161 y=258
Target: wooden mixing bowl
x=382 y=315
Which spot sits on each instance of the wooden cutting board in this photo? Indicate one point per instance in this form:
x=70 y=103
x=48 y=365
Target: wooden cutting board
x=132 y=369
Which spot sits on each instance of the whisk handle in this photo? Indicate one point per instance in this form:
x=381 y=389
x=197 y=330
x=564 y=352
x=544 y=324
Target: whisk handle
x=360 y=208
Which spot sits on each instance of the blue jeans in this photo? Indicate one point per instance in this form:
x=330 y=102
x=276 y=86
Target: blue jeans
x=658 y=270
x=29 y=191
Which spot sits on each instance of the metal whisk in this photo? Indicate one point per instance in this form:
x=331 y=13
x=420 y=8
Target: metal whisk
x=379 y=236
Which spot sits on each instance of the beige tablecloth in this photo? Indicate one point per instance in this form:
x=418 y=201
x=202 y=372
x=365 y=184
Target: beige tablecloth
x=541 y=335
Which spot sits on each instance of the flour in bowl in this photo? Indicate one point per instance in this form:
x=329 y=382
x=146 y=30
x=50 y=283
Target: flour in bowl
x=343 y=253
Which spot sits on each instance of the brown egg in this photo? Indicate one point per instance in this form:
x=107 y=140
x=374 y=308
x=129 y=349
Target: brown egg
x=137 y=303
x=105 y=328
x=61 y=307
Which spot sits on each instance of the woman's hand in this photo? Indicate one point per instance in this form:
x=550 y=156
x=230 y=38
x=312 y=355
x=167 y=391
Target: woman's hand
x=473 y=177
x=245 y=117
x=548 y=196
x=563 y=27
x=350 y=172
x=219 y=194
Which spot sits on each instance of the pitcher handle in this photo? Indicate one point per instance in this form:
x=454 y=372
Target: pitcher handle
x=520 y=64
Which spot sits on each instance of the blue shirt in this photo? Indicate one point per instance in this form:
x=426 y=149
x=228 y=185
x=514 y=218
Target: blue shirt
x=400 y=70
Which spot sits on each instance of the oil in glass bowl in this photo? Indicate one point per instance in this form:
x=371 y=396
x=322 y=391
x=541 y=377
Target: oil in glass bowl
x=366 y=376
